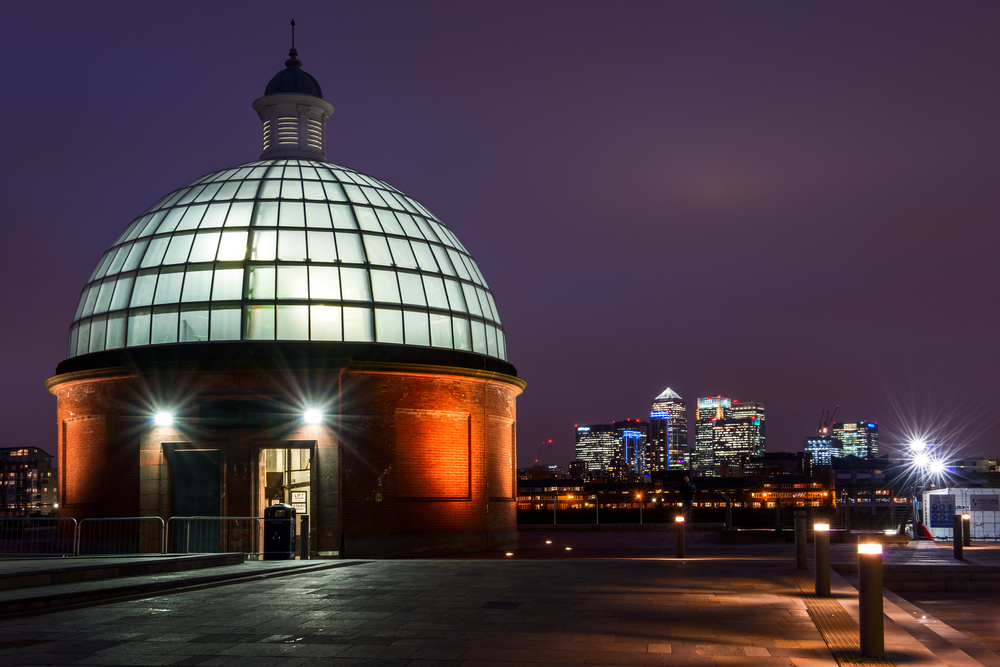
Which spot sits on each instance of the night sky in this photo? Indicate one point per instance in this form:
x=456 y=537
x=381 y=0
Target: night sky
x=793 y=203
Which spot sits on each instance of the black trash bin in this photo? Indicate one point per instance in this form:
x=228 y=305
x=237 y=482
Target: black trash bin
x=279 y=532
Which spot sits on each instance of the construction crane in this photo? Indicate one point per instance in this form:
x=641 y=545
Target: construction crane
x=826 y=420
x=543 y=449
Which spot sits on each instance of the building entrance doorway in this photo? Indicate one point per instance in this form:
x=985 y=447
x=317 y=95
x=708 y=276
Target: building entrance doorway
x=287 y=478
x=196 y=492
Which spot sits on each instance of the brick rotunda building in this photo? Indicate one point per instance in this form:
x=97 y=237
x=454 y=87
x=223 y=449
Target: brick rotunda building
x=291 y=330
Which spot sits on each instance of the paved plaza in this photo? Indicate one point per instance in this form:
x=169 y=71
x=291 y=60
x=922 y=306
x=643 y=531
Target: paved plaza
x=739 y=607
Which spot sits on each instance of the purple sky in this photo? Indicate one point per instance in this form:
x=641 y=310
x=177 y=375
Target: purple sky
x=791 y=203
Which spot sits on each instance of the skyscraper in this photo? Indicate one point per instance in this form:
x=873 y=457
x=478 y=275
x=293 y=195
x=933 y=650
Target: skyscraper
x=751 y=410
x=597 y=444
x=709 y=409
x=632 y=435
x=736 y=440
x=668 y=441
x=857 y=438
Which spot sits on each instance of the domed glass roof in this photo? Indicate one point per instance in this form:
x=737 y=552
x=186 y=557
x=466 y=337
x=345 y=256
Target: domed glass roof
x=287 y=250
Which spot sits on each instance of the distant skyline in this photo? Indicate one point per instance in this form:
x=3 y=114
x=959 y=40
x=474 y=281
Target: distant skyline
x=788 y=203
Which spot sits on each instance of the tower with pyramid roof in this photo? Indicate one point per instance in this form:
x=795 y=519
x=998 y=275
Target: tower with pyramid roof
x=668 y=432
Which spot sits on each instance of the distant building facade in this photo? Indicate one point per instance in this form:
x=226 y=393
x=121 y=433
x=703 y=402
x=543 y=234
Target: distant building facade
x=578 y=469
x=597 y=445
x=857 y=438
x=753 y=411
x=734 y=441
x=823 y=448
x=668 y=432
x=772 y=464
x=709 y=409
x=29 y=483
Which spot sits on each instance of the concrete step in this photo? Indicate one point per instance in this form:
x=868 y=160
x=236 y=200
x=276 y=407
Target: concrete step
x=16 y=602
x=46 y=572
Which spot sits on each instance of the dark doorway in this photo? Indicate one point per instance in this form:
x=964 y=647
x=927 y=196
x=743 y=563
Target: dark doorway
x=196 y=491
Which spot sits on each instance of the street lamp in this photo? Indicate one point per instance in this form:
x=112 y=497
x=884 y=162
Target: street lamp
x=925 y=465
x=638 y=497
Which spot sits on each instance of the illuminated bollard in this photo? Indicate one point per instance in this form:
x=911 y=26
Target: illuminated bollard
x=679 y=528
x=821 y=547
x=956 y=536
x=966 y=530
x=870 y=600
x=800 y=540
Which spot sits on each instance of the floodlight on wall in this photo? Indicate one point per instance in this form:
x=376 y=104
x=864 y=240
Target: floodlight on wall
x=312 y=416
x=163 y=419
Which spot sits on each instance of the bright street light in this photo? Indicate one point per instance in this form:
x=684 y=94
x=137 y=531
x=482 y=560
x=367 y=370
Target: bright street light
x=163 y=419
x=921 y=460
x=918 y=445
x=937 y=467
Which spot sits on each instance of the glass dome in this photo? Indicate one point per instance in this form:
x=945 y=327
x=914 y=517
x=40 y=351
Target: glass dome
x=287 y=250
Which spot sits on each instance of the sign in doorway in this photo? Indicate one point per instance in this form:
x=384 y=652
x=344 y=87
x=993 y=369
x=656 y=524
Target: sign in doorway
x=287 y=478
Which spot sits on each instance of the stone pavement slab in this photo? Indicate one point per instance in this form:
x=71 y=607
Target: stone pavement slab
x=449 y=612
x=737 y=608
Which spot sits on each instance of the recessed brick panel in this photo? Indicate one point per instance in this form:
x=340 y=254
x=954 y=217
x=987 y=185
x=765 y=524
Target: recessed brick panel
x=500 y=450
x=85 y=459
x=433 y=450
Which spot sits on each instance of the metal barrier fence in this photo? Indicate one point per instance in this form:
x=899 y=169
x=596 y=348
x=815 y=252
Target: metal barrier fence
x=842 y=517
x=120 y=536
x=214 y=534
x=38 y=536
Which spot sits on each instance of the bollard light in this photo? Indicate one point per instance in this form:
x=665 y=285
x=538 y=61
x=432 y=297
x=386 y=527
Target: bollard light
x=679 y=535
x=966 y=530
x=870 y=622
x=821 y=551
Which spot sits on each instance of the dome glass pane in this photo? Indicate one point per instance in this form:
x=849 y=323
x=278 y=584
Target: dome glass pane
x=287 y=250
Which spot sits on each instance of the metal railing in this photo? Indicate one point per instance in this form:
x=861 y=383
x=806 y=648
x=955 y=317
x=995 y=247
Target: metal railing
x=38 y=536
x=120 y=536
x=127 y=536
x=213 y=534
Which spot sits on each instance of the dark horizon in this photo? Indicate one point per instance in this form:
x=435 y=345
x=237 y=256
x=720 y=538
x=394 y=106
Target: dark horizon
x=791 y=204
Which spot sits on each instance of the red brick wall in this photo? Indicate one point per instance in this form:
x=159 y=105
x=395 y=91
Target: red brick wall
x=98 y=449
x=442 y=428
x=419 y=453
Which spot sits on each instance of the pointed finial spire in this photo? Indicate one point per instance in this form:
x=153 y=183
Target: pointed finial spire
x=293 y=60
